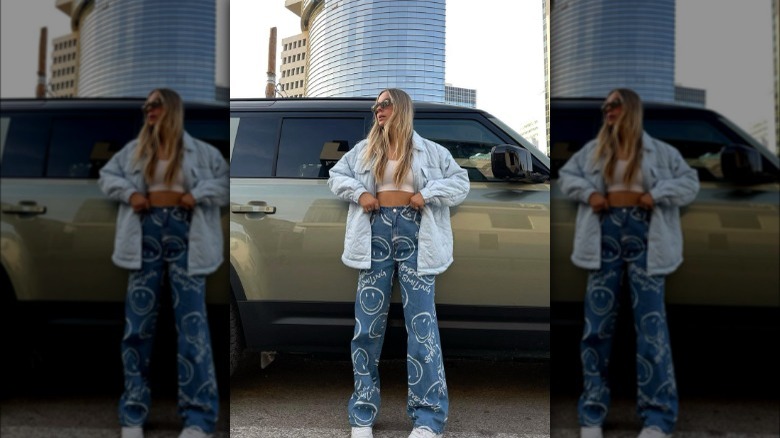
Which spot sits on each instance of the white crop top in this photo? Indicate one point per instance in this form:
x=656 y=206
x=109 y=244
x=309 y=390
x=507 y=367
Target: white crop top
x=617 y=179
x=158 y=182
x=388 y=183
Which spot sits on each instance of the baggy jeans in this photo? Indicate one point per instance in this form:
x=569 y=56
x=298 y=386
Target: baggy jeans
x=165 y=236
x=394 y=252
x=624 y=247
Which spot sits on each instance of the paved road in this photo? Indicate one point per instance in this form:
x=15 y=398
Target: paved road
x=67 y=384
x=306 y=397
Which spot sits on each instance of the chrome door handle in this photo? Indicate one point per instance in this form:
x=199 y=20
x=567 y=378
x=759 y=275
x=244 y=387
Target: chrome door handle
x=267 y=209
x=24 y=208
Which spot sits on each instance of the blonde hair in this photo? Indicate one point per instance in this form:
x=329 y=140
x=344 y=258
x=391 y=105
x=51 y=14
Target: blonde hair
x=626 y=132
x=166 y=134
x=398 y=130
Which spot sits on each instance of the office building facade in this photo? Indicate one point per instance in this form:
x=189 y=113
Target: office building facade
x=356 y=48
x=292 y=82
x=460 y=96
x=599 y=45
x=63 y=79
x=127 y=48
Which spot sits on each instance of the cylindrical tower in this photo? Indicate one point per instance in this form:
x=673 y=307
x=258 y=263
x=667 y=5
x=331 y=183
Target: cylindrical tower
x=127 y=48
x=359 y=47
x=598 y=45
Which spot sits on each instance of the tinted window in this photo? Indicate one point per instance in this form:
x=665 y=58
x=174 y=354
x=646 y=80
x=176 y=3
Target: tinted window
x=468 y=141
x=699 y=142
x=569 y=132
x=305 y=143
x=80 y=146
x=211 y=127
x=253 y=141
x=24 y=147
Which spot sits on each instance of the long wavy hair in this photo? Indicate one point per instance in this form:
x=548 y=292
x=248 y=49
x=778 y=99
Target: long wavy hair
x=398 y=131
x=165 y=135
x=624 y=134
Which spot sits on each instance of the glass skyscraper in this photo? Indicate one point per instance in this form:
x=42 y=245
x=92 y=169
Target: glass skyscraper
x=359 y=47
x=598 y=45
x=127 y=48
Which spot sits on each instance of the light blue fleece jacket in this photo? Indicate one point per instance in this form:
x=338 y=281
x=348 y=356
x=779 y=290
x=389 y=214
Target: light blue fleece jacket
x=206 y=177
x=437 y=177
x=668 y=179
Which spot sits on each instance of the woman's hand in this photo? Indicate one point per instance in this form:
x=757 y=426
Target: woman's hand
x=417 y=201
x=646 y=201
x=187 y=201
x=368 y=202
x=598 y=202
x=139 y=202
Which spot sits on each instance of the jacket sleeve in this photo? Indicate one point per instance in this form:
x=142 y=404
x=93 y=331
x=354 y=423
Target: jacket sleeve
x=113 y=181
x=682 y=186
x=215 y=190
x=452 y=188
x=571 y=177
x=342 y=181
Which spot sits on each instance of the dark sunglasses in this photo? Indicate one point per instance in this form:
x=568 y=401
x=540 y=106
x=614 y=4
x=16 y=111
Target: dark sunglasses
x=148 y=106
x=612 y=104
x=383 y=104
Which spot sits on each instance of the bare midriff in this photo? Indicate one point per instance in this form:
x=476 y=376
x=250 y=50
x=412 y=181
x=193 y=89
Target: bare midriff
x=394 y=198
x=622 y=198
x=165 y=198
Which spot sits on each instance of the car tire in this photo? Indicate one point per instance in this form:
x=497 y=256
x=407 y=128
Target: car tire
x=237 y=343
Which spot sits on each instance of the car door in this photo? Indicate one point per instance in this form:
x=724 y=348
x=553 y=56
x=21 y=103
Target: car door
x=54 y=215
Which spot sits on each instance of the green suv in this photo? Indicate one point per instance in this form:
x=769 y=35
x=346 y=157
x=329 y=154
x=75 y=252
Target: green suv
x=725 y=297
x=291 y=291
x=57 y=226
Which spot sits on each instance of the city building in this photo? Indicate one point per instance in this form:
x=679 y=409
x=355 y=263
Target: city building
x=532 y=132
x=292 y=81
x=546 y=39
x=356 y=48
x=64 y=78
x=127 y=48
x=604 y=44
x=760 y=132
x=690 y=96
x=460 y=96
x=776 y=47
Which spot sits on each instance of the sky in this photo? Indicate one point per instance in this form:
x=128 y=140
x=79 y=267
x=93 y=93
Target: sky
x=727 y=51
x=509 y=79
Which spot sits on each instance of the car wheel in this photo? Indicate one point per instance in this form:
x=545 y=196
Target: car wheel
x=237 y=343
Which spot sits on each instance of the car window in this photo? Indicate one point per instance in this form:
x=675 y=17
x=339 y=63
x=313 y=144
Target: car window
x=253 y=145
x=211 y=127
x=305 y=141
x=568 y=133
x=80 y=146
x=698 y=141
x=24 y=145
x=469 y=142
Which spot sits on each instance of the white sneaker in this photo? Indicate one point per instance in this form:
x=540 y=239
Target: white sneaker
x=362 y=432
x=193 y=432
x=423 y=432
x=652 y=432
x=590 y=432
x=132 y=432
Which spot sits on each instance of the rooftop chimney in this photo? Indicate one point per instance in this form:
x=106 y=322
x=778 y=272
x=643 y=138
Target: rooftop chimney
x=270 y=87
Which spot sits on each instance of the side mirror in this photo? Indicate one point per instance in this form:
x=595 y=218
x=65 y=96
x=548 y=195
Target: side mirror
x=510 y=162
x=741 y=164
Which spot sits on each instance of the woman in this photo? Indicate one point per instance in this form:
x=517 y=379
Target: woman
x=399 y=187
x=169 y=187
x=630 y=187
